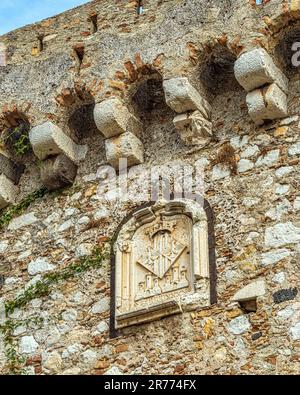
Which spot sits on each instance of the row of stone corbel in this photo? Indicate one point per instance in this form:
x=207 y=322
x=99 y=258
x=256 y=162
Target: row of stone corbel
x=59 y=154
x=122 y=129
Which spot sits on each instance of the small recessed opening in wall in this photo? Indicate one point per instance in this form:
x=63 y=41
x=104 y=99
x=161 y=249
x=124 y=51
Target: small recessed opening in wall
x=94 y=22
x=249 y=306
x=15 y=135
x=82 y=123
x=149 y=96
x=287 y=50
x=79 y=54
x=41 y=43
x=217 y=70
x=140 y=7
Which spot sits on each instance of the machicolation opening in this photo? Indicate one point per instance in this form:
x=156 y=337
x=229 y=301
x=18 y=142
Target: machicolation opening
x=286 y=50
x=15 y=135
x=216 y=71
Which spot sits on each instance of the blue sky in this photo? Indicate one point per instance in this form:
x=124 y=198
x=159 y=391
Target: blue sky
x=17 y=13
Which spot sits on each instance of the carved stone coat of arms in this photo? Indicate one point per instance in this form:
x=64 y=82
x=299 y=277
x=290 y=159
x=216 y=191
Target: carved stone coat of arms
x=159 y=255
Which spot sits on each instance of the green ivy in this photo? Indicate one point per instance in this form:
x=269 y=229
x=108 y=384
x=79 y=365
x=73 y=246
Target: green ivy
x=15 y=363
x=43 y=287
x=22 y=145
x=7 y=215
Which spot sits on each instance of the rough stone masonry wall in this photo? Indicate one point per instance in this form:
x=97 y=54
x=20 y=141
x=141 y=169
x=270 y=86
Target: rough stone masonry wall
x=57 y=70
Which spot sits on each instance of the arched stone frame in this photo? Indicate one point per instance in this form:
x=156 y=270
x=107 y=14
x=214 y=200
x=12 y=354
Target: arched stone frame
x=201 y=291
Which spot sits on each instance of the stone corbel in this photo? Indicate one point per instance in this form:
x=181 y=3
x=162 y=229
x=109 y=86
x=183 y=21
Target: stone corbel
x=59 y=155
x=10 y=174
x=265 y=83
x=194 y=119
x=8 y=191
x=121 y=129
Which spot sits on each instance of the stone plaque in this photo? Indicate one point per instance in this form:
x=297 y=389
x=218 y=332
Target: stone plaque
x=161 y=261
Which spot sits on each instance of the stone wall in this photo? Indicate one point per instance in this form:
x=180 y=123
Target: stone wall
x=57 y=71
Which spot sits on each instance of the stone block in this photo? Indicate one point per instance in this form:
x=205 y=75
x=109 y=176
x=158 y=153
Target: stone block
x=282 y=234
x=8 y=191
x=40 y=265
x=181 y=96
x=48 y=140
x=285 y=295
x=128 y=146
x=113 y=118
x=256 y=68
x=22 y=221
x=58 y=172
x=10 y=169
x=194 y=129
x=266 y=104
x=251 y=291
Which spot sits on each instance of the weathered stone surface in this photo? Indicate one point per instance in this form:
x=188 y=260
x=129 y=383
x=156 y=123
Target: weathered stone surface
x=2 y=311
x=181 y=96
x=53 y=362
x=272 y=257
x=22 y=221
x=102 y=327
x=269 y=159
x=28 y=345
x=113 y=118
x=48 y=139
x=256 y=68
x=285 y=294
x=239 y=325
x=193 y=128
x=266 y=104
x=251 y=291
x=282 y=234
x=89 y=356
x=295 y=331
x=256 y=336
x=101 y=307
x=279 y=278
x=245 y=165
x=8 y=191
x=113 y=371
x=10 y=169
x=58 y=172
x=3 y=246
x=126 y=146
x=294 y=149
x=39 y=265
x=84 y=250
x=220 y=172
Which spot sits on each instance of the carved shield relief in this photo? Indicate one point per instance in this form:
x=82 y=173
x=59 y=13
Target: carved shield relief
x=155 y=266
x=162 y=259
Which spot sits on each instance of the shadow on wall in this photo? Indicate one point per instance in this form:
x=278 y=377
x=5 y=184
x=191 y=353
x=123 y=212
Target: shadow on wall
x=217 y=71
x=284 y=50
x=15 y=128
